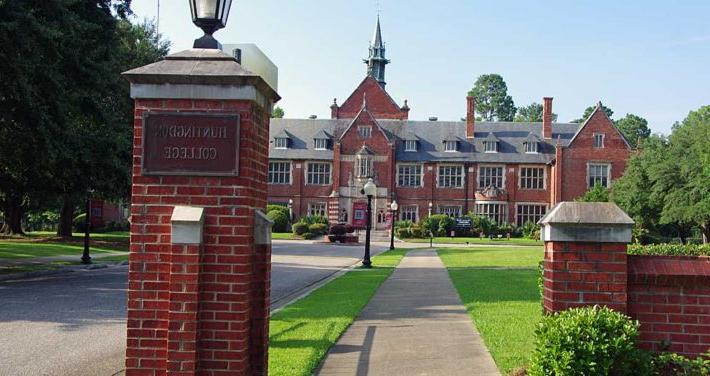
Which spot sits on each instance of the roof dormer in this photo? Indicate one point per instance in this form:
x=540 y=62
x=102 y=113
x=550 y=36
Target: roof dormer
x=491 y=144
x=282 y=140
x=321 y=140
x=531 y=144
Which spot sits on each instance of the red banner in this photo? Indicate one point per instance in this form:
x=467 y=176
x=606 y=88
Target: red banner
x=359 y=214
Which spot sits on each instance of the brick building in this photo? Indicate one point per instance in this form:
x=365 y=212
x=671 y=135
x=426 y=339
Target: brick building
x=510 y=171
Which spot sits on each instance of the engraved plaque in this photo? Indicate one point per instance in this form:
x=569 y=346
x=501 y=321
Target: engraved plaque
x=191 y=143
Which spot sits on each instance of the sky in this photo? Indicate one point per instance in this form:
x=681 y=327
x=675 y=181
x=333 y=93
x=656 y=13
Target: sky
x=646 y=57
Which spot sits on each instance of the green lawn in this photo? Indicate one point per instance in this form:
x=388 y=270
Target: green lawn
x=115 y=236
x=301 y=334
x=499 y=288
x=503 y=241
x=284 y=236
x=13 y=249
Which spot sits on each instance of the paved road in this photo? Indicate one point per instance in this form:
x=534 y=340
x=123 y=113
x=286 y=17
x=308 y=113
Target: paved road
x=74 y=323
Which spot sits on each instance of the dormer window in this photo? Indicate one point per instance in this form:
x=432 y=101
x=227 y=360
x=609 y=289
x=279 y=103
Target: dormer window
x=490 y=146
x=321 y=143
x=450 y=146
x=281 y=143
x=364 y=131
x=530 y=147
x=599 y=140
x=410 y=145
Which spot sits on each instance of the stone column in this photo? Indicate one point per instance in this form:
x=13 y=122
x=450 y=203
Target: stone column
x=585 y=255
x=200 y=145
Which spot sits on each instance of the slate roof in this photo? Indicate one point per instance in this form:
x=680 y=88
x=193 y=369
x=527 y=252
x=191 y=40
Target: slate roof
x=430 y=136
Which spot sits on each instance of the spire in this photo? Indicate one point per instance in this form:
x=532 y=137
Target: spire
x=376 y=61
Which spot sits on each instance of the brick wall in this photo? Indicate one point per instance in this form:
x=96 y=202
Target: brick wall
x=229 y=306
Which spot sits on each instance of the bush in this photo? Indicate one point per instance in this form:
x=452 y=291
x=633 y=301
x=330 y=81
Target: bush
x=403 y=224
x=280 y=220
x=416 y=231
x=587 y=341
x=308 y=235
x=318 y=229
x=674 y=364
x=669 y=249
x=481 y=223
x=299 y=228
x=279 y=208
x=403 y=233
x=349 y=229
x=439 y=224
x=313 y=219
x=338 y=230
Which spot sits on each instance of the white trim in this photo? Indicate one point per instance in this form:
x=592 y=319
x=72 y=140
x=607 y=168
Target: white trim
x=290 y=171
x=447 y=143
x=594 y=140
x=544 y=177
x=545 y=204
x=410 y=149
x=600 y=163
x=315 y=143
x=439 y=206
x=463 y=174
x=276 y=143
x=324 y=203
x=478 y=174
x=363 y=127
x=421 y=174
x=330 y=173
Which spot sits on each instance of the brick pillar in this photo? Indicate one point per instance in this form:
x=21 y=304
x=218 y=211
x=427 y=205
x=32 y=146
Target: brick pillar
x=200 y=144
x=585 y=256
x=547 y=117
x=470 y=116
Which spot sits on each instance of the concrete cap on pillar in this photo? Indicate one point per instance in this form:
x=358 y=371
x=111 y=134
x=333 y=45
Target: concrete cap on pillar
x=187 y=223
x=599 y=222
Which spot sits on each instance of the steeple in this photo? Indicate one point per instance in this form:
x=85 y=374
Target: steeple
x=376 y=61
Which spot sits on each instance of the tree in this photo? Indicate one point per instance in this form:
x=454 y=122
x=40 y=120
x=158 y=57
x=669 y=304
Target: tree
x=588 y=112
x=633 y=127
x=598 y=193
x=492 y=100
x=532 y=113
x=277 y=113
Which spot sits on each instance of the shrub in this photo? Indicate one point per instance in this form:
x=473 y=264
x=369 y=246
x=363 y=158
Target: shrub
x=338 y=229
x=439 y=224
x=318 y=229
x=403 y=224
x=349 y=229
x=528 y=229
x=481 y=223
x=403 y=233
x=669 y=249
x=308 y=235
x=279 y=208
x=299 y=228
x=541 y=283
x=674 y=364
x=280 y=220
x=416 y=231
x=313 y=219
x=587 y=341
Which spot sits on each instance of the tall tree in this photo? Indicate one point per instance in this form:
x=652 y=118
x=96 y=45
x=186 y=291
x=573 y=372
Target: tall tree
x=633 y=127
x=532 y=113
x=492 y=100
x=278 y=112
x=588 y=112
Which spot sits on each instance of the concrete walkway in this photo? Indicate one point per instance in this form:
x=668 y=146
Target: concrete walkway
x=414 y=325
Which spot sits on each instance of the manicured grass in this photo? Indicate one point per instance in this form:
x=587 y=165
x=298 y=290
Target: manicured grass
x=115 y=236
x=284 y=236
x=12 y=249
x=448 y=240
x=302 y=333
x=26 y=268
x=499 y=289
x=111 y=259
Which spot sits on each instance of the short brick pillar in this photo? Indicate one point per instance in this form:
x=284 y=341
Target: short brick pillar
x=199 y=264
x=585 y=256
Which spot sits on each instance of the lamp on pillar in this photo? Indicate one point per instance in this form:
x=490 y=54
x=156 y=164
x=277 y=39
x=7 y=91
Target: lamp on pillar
x=210 y=16
x=394 y=206
x=431 y=233
x=369 y=190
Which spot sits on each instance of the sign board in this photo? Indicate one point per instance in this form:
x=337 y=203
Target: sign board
x=388 y=220
x=463 y=223
x=359 y=214
x=191 y=143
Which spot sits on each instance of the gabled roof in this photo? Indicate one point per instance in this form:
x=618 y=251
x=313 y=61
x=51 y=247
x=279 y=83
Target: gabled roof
x=491 y=138
x=598 y=109
x=380 y=102
x=532 y=138
x=322 y=134
x=365 y=113
x=364 y=150
x=408 y=136
x=283 y=134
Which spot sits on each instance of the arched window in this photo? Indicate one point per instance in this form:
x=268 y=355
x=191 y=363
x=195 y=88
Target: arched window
x=364 y=166
x=381 y=217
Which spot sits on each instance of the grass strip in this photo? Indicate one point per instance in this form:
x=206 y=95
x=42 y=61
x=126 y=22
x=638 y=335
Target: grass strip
x=285 y=236
x=302 y=333
x=471 y=240
x=12 y=249
x=499 y=290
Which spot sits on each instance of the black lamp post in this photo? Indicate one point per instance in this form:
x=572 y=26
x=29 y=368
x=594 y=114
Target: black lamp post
x=290 y=213
x=369 y=190
x=210 y=16
x=86 y=256
x=431 y=232
x=394 y=206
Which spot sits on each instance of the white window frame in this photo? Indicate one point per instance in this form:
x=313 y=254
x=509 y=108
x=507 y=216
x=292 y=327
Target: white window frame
x=320 y=143
x=528 y=215
x=288 y=174
x=314 y=208
x=453 y=211
x=531 y=147
x=600 y=137
x=318 y=177
x=364 y=167
x=487 y=146
x=409 y=213
x=589 y=175
x=410 y=145
x=480 y=175
x=280 y=143
x=529 y=179
x=451 y=146
x=364 y=131
x=460 y=178
x=499 y=217
x=410 y=176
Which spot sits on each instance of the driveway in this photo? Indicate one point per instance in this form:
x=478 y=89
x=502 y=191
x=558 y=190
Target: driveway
x=75 y=323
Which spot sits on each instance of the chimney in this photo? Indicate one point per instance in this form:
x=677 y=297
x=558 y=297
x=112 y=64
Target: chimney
x=334 y=109
x=470 y=116
x=547 y=117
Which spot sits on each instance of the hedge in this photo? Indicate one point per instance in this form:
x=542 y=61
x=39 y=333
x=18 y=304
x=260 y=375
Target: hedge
x=669 y=249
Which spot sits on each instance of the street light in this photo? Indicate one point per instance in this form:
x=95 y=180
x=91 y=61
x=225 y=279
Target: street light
x=369 y=190
x=431 y=233
x=394 y=206
x=86 y=255
x=210 y=16
x=290 y=213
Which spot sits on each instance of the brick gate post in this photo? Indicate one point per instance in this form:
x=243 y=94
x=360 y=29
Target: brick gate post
x=199 y=264
x=585 y=255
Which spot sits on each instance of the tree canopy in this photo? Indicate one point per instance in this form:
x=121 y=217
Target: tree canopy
x=588 y=112
x=532 y=113
x=633 y=127
x=278 y=112
x=492 y=100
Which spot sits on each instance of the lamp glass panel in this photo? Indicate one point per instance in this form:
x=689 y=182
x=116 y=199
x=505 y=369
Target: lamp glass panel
x=370 y=188
x=224 y=16
x=206 y=9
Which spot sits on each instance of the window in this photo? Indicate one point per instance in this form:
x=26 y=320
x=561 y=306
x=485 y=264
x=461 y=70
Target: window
x=317 y=208
x=281 y=143
x=410 y=145
x=450 y=176
x=450 y=146
x=530 y=147
x=598 y=174
x=318 y=174
x=490 y=176
x=364 y=131
x=599 y=140
x=409 y=175
x=490 y=146
x=381 y=217
x=451 y=211
x=529 y=213
x=495 y=211
x=321 y=143
x=409 y=213
x=532 y=178
x=364 y=167
x=280 y=172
